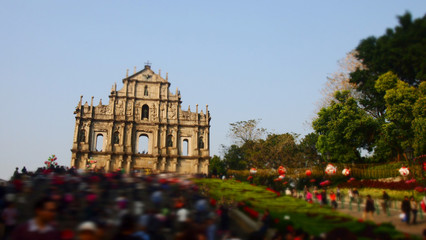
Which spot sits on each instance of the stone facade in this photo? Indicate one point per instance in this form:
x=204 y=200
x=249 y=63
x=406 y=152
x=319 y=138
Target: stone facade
x=143 y=112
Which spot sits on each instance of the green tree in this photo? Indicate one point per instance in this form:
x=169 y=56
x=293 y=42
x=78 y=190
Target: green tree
x=217 y=166
x=419 y=122
x=309 y=150
x=344 y=129
x=234 y=158
x=401 y=50
x=275 y=150
x=398 y=127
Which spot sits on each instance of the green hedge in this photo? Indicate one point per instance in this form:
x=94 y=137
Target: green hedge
x=285 y=210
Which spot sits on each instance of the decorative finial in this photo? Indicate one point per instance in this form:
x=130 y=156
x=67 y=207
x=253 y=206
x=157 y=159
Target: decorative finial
x=100 y=102
x=134 y=70
x=196 y=108
x=81 y=99
x=167 y=76
x=159 y=72
x=127 y=73
x=91 y=102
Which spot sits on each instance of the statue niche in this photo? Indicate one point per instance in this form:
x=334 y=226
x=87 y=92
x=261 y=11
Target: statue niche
x=116 y=138
x=169 y=141
x=145 y=112
x=200 y=143
x=82 y=136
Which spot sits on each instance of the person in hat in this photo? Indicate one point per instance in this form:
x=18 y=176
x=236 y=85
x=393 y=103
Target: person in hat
x=87 y=231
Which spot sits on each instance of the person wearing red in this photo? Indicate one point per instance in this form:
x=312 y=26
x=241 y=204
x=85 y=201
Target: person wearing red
x=39 y=228
x=333 y=200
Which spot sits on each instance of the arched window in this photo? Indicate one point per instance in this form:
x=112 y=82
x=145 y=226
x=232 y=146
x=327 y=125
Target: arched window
x=116 y=138
x=145 y=92
x=145 y=112
x=169 y=142
x=143 y=144
x=185 y=146
x=200 y=143
x=82 y=136
x=99 y=142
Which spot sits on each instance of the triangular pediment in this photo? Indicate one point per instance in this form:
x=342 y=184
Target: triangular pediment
x=146 y=74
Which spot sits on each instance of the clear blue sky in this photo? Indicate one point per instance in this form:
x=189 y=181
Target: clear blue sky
x=246 y=59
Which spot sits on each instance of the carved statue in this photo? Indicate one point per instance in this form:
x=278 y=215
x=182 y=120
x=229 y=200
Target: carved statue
x=172 y=111
x=169 y=141
x=116 y=138
x=163 y=111
x=144 y=113
x=82 y=136
x=200 y=143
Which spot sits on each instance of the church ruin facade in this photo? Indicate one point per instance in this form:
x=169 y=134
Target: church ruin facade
x=142 y=127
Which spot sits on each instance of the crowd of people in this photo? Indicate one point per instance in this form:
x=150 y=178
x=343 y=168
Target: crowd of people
x=409 y=206
x=60 y=203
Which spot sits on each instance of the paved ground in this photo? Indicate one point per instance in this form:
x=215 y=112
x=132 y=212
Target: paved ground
x=416 y=229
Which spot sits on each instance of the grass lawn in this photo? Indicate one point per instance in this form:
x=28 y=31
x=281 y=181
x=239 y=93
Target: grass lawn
x=311 y=218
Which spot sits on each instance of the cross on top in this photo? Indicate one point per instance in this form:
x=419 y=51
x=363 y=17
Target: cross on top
x=148 y=63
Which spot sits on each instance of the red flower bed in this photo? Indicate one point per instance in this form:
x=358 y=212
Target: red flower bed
x=251 y=212
x=401 y=185
x=272 y=190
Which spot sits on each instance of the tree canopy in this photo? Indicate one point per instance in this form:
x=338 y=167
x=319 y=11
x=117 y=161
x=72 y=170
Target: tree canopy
x=401 y=50
x=244 y=131
x=344 y=129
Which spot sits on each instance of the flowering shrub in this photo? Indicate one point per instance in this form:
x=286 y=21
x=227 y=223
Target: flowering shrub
x=251 y=212
x=91 y=163
x=272 y=190
x=51 y=161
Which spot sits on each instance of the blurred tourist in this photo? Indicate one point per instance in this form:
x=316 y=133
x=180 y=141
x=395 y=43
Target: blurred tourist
x=87 y=231
x=414 y=208
x=9 y=217
x=385 y=201
x=369 y=208
x=333 y=200
x=356 y=194
x=127 y=229
x=406 y=209
x=338 y=194
x=40 y=227
x=351 y=195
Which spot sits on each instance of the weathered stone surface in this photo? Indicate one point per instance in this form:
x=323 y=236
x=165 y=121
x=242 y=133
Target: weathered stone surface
x=143 y=107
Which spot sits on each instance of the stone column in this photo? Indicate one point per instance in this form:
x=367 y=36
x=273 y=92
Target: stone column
x=172 y=165
x=108 y=164
x=128 y=164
